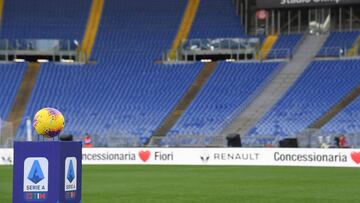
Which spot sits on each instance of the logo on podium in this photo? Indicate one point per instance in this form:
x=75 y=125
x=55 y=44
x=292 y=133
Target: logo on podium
x=70 y=178
x=36 y=178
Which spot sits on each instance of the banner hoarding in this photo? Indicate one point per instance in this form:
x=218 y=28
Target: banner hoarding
x=215 y=156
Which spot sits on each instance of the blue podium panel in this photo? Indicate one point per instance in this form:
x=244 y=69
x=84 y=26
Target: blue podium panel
x=48 y=172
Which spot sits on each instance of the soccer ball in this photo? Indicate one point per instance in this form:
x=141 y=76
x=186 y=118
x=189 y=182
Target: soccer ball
x=49 y=122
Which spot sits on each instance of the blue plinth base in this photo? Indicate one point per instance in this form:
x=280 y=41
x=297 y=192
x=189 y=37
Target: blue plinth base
x=47 y=172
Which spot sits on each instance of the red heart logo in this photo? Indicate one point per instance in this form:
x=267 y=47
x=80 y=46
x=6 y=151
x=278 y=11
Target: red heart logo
x=144 y=155
x=356 y=157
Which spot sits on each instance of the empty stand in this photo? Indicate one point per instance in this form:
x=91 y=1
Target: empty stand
x=346 y=121
x=336 y=109
x=23 y=94
x=105 y=99
x=92 y=27
x=321 y=86
x=278 y=86
x=267 y=46
x=216 y=19
x=184 y=103
x=228 y=92
x=185 y=26
x=284 y=46
x=10 y=80
x=338 y=43
x=137 y=29
x=45 y=19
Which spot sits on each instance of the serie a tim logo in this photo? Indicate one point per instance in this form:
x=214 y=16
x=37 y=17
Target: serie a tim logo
x=36 y=178
x=70 y=178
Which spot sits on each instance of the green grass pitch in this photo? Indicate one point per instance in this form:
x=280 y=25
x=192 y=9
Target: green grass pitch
x=167 y=184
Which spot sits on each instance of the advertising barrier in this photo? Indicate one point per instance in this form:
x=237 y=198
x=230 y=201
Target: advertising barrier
x=302 y=3
x=214 y=156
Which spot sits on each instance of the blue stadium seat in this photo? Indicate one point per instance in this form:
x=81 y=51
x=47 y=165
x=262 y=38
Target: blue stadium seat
x=347 y=121
x=137 y=29
x=133 y=98
x=216 y=19
x=45 y=19
x=284 y=46
x=228 y=92
x=10 y=80
x=338 y=42
x=321 y=86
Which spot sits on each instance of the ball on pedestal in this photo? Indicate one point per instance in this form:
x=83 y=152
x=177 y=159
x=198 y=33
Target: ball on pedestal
x=49 y=122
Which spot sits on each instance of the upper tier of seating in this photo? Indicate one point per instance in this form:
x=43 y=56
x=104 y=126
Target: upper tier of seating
x=347 y=121
x=338 y=43
x=284 y=46
x=321 y=86
x=45 y=19
x=137 y=29
x=132 y=98
x=10 y=80
x=227 y=92
x=216 y=19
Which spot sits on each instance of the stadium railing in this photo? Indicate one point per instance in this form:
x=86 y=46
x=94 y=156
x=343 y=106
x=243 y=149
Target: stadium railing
x=62 y=49
x=314 y=138
x=6 y=130
x=193 y=141
x=233 y=47
x=309 y=138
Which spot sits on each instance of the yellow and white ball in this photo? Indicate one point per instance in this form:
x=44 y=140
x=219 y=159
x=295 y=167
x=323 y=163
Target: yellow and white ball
x=49 y=122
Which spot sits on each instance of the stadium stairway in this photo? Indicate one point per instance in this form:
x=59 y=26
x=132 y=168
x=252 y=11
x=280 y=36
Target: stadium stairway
x=278 y=86
x=355 y=46
x=183 y=104
x=348 y=99
x=1 y=10
x=185 y=26
x=92 y=27
x=267 y=46
x=23 y=95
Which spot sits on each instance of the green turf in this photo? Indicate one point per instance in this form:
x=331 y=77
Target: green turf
x=166 y=184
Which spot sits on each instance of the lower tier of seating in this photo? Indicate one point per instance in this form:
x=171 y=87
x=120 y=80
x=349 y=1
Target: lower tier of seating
x=321 y=86
x=131 y=98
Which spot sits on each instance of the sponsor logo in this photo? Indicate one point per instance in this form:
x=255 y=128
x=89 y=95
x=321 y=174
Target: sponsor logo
x=70 y=177
x=144 y=155
x=70 y=195
x=38 y=196
x=109 y=156
x=311 y=157
x=355 y=156
x=161 y=156
x=205 y=158
x=236 y=156
x=36 y=178
x=6 y=159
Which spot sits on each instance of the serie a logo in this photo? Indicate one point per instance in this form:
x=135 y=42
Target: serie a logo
x=36 y=171
x=70 y=178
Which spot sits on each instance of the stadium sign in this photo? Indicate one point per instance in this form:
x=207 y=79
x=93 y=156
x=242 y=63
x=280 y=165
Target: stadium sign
x=207 y=156
x=302 y=3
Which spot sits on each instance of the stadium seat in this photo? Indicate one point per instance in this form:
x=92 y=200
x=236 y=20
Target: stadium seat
x=45 y=19
x=338 y=43
x=133 y=98
x=284 y=46
x=228 y=92
x=322 y=85
x=10 y=80
x=216 y=19
x=347 y=121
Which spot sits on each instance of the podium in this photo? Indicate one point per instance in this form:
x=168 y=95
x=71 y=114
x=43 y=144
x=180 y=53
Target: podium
x=48 y=171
